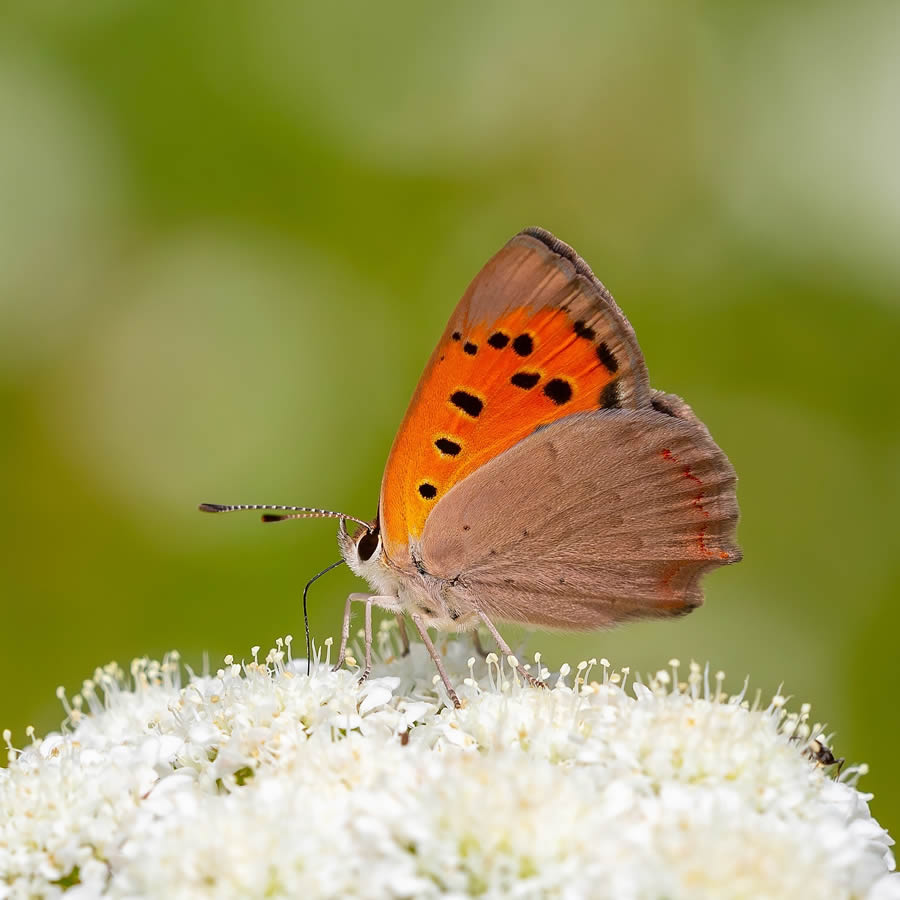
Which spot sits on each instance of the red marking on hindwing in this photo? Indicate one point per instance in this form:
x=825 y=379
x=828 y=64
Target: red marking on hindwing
x=667 y=454
x=696 y=503
x=687 y=473
x=670 y=572
x=673 y=601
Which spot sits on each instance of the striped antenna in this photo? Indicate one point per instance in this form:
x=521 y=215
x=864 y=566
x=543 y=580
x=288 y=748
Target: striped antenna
x=297 y=512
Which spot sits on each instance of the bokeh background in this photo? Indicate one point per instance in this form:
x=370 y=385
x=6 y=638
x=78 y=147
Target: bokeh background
x=231 y=233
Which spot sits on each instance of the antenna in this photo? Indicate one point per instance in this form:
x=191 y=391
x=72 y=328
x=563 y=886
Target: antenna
x=297 y=512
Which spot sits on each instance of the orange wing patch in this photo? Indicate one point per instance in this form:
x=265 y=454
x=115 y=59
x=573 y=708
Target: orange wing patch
x=535 y=337
x=483 y=391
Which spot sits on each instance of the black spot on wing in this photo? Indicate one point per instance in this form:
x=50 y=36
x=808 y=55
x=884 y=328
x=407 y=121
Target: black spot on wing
x=428 y=491
x=525 y=380
x=523 y=344
x=583 y=330
x=456 y=336
x=498 y=340
x=470 y=348
x=558 y=390
x=607 y=357
x=447 y=447
x=609 y=396
x=467 y=403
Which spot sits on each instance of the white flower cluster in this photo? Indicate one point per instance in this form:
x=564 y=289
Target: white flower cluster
x=261 y=782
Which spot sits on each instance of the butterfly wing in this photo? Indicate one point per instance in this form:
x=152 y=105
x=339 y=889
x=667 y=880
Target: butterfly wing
x=598 y=518
x=536 y=337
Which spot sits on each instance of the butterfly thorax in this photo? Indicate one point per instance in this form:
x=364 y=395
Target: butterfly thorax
x=440 y=602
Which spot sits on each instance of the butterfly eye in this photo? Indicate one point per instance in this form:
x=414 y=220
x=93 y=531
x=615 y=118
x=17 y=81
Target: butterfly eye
x=368 y=544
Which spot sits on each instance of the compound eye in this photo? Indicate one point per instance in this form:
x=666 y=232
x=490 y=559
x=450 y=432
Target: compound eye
x=367 y=544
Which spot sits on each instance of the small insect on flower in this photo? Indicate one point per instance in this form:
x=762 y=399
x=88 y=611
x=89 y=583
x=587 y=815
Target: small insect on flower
x=821 y=754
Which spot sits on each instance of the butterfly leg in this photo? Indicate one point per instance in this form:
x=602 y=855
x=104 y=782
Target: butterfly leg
x=505 y=648
x=476 y=640
x=345 y=633
x=345 y=630
x=404 y=637
x=388 y=603
x=368 y=667
x=426 y=640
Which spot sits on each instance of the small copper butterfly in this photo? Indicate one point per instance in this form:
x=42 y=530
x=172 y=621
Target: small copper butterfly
x=537 y=477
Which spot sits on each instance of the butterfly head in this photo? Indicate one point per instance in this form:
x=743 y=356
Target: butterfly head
x=362 y=550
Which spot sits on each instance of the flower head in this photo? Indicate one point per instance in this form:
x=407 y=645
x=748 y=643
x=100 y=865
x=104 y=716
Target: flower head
x=260 y=781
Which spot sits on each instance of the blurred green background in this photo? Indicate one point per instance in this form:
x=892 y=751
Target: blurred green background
x=231 y=233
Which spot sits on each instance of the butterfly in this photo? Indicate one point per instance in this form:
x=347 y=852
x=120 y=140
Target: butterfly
x=537 y=477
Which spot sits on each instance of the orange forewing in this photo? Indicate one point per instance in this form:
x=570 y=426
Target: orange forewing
x=535 y=338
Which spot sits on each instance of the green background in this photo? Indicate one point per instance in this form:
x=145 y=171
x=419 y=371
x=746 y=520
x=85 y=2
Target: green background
x=231 y=233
